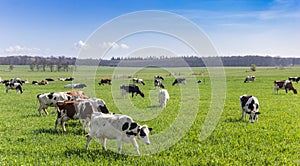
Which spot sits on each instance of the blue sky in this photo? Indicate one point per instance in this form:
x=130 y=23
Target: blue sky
x=63 y=27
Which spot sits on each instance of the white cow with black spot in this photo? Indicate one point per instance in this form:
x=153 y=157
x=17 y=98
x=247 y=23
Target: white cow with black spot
x=249 y=105
x=117 y=126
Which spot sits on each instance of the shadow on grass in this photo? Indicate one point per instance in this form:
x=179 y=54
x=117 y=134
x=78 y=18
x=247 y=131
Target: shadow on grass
x=154 y=106
x=234 y=120
x=75 y=131
x=94 y=154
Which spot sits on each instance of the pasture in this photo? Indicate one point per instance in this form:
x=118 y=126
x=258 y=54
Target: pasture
x=28 y=139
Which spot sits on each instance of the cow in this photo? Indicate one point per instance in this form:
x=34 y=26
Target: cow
x=138 y=81
x=131 y=88
x=284 y=84
x=79 y=109
x=119 y=127
x=42 y=83
x=77 y=94
x=49 y=79
x=16 y=80
x=16 y=86
x=105 y=81
x=163 y=97
x=61 y=79
x=179 y=81
x=249 y=78
x=50 y=99
x=249 y=105
x=294 y=79
x=158 y=77
x=34 y=82
x=69 y=79
x=75 y=86
x=158 y=83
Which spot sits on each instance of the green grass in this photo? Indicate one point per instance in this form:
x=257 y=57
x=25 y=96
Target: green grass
x=28 y=139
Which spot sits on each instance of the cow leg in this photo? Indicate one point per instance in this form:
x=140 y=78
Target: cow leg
x=119 y=145
x=134 y=143
x=88 y=139
x=40 y=109
x=6 y=90
x=286 y=90
x=63 y=120
x=103 y=143
x=56 y=123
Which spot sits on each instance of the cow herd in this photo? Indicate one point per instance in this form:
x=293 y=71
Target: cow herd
x=98 y=121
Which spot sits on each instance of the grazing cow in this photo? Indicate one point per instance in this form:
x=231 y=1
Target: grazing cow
x=158 y=83
x=50 y=99
x=79 y=109
x=105 y=81
x=75 y=86
x=284 y=84
x=249 y=78
x=49 y=79
x=61 y=79
x=16 y=80
x=69 y=79
x=119 y=127
x=179 y=81
x=131 y=88
x=34 y=82
x=249 y=105
x=138 y=81
x=42 y=82
x=158 y=77
x=71 y=109
x=294 y=79
x=77 y=94
x=163 y=97
x=16 y=86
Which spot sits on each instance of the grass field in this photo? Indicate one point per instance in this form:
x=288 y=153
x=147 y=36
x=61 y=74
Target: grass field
x=28 y=139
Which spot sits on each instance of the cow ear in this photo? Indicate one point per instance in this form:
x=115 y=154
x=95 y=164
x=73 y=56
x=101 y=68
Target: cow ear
x=257 y=113
x=150 y=129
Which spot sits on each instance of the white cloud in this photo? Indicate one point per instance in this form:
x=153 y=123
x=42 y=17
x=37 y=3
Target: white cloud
x=114 y=45
x=20 y=50
x=80 y=45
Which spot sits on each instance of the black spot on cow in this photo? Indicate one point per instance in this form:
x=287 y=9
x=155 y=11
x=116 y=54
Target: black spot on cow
x=133 y=125
x=69 y=97
x=244 y=100
x=251 y=105
x=103 y=109
x=125 y=126
x=50 y=96
x=54 y=98
x=38 y=96
x=131 y=133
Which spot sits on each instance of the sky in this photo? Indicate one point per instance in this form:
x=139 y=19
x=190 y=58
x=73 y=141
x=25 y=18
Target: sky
x=65 y=27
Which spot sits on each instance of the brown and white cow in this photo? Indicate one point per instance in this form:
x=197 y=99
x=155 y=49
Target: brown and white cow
x=79 y=109
x=105 y=81
x=119 y=127
x=77 y=94
x=284 y=84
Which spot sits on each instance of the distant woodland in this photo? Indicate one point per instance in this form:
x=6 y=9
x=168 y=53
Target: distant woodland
x=62 y=63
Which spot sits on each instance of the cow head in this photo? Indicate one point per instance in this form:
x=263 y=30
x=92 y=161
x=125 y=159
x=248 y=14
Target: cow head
x=295 y=91
x=253 y=115
x=143 y=134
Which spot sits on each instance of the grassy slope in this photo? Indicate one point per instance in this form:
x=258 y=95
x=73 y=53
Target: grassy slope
x=29 y=139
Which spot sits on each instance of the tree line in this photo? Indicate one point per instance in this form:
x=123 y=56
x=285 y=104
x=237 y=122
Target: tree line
x=62 y=63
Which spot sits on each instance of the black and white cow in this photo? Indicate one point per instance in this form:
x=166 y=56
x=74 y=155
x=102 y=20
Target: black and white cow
x=16 y=80
x=131 y=88
x=138 y=81
x=158 y=83
x=179 y=81
x=16 y=86
x=50 y=99
x=294 y=79
x=249 y=105
x=119 y=127
x=158 y=77
x=249 y=78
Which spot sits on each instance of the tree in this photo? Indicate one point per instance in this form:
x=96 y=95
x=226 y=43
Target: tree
x=253 y=67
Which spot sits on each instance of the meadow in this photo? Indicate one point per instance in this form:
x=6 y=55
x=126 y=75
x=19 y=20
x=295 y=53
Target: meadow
x=29 y=139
